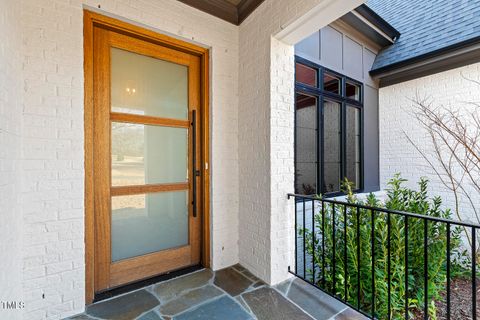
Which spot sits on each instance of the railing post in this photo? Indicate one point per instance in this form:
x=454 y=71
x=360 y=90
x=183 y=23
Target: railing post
x=334 y=274
x=323 y=244
x=304 y=240
x=389 y=266
x=406 y=267
x=313 y=240
x=296 y=237
x=425 y=269
x=358 y=257
x=373 y=263
x=474 y=274
x=448 y=271
x=345 y=257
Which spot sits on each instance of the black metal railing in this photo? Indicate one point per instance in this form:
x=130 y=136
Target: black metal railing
x=334 y=239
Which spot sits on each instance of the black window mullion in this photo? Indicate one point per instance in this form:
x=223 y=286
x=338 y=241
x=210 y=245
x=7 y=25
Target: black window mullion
x=343 y=143
x=343 y=134
x=295 y=141
x=345 y=103
x=362 y=145
x=354 y=102
x=362 y=135
x=320 y=135
x=320 y=147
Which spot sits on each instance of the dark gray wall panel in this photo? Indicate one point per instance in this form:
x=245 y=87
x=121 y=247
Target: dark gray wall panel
x=310 y=48
x=368 y=60
x=331 y=48
x=352 y=58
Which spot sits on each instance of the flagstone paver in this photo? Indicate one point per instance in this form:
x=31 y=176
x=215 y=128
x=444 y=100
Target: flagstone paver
x=151 y=316
x=269 y=304
x=219 y=309
x=284 y=286
x=242 y=302
x=81 y=317
x=190 y=299
x=172 y=288
x=239 y=267
x=259 y=283
x=126 y=307
x=350 y=314
x=229 y=294
x=249 y=275
x=312 y=300
x=232 y=281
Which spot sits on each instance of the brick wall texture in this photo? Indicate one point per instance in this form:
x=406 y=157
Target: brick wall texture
x=455 y=89
x=41 y=125
x=10 y=152
x=50 y=53
x=265 y=124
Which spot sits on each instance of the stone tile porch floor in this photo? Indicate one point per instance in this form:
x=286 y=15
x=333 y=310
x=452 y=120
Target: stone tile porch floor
x=229 y=294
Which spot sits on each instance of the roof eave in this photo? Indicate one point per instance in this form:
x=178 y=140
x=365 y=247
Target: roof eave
x=426 y=56
x=371 y=25
x=378 y=21
x=453 y=56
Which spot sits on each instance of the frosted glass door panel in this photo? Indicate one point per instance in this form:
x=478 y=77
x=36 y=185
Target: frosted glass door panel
x=143 y=154
x=147 y=223
x=147 y=86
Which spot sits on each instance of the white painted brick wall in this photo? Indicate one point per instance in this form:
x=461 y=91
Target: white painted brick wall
x=397 y=154
x=266 y=169
x=10 y=133
x=252 y=150
x=53 y=167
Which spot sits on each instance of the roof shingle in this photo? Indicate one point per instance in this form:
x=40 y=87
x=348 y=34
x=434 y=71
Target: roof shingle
x=425 y=26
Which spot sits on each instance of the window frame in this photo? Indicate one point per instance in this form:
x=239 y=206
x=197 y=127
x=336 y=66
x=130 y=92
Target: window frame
x=345 y=102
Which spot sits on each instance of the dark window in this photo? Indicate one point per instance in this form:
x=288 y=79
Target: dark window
x=328 y=130
x=352 y=91
x=332 y=145
x=306 y=146
x=331 y=83
x=306 y=75
x=353 y=145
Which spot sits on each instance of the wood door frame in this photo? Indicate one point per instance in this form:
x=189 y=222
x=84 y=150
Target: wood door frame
x=91 y=20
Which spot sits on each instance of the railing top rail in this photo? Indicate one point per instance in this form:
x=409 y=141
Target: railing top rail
x=384 y=210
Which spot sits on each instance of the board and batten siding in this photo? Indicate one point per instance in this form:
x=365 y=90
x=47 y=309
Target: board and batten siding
x=340 y=48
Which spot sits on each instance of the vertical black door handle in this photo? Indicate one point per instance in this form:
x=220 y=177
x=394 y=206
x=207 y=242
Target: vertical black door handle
x=194 y=164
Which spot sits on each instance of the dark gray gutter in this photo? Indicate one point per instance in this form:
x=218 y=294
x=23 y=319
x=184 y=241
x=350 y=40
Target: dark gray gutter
x=378 y=21
x=425 y=56
x=371 y=25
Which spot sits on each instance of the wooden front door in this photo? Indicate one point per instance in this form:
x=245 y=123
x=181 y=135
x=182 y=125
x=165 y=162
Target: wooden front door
x=146 y=153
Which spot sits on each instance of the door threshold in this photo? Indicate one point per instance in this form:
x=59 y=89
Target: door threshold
x=107 y=294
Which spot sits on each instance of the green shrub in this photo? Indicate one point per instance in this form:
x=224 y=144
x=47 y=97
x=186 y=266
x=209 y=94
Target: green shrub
x=346 y=272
